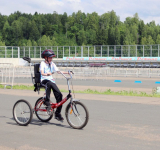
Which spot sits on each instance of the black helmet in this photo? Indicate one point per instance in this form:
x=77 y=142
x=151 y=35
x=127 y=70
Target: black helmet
x=47 y=53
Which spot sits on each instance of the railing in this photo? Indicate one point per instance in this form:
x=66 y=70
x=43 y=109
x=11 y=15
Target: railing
x=7 y=74
x=83 y=51
x=94 y=51
x=96 y=73
x=9 y=52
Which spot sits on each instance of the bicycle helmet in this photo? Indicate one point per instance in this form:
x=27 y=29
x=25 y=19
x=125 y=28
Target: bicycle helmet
x=47 y=53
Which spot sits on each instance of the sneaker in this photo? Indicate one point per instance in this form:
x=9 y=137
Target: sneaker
x=59 y=117
x=47 y=103
x=49 y=109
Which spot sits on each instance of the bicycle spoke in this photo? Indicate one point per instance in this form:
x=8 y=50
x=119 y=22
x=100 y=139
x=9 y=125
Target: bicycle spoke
x=22 y=112
x=79 y=119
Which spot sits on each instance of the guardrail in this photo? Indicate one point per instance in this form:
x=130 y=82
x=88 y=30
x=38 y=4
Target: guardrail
x=7 y=74
x=94 y=51
x=82 y=51
x=9 y=52
x=96 y=73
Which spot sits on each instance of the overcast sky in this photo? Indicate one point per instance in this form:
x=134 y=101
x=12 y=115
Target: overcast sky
x=147 y=10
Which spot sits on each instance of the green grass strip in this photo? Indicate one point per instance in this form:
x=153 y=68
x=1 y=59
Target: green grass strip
x=89 y=91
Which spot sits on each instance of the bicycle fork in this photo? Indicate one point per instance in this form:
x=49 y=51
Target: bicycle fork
x=73 y=105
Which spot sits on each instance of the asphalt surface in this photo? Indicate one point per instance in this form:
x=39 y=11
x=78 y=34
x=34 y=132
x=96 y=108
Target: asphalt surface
x=112 y=126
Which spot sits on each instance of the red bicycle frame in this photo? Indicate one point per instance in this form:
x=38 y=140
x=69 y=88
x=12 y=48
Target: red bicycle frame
x=55 y=105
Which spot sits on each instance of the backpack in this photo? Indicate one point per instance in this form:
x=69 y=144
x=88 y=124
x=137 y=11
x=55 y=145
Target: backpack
x=37 y=78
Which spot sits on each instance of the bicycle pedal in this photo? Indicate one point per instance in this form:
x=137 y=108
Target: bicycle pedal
x=50 y=112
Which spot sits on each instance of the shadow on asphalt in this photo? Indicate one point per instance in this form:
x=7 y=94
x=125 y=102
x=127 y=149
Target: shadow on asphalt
x=11 y=123
x=38 y=123
x=6 y=117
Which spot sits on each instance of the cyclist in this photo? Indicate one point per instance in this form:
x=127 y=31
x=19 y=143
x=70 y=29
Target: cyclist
x=47 y=67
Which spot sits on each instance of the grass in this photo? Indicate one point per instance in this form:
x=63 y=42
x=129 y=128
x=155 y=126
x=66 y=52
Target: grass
x=19 y=87
x=89 y=91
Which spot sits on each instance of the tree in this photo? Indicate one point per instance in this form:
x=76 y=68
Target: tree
x=158 y=39
x=111 y=36
x=66 y=27
x=64 y=19
x=93 y=21
x=127 y=38
x=47 y=29
x=117 y=36
x=81 y=39
x=34 y=33
x=6 y=31
x=91 y=36
x=147 y=41
x=34 y=43
x=17 y=33
x=102 y=37
x=3 y=19
x=29 y=43
x=150 y=41
x=113 y=19
x=2 y=43
x=144 y=41
x=53 y=42
x=134 y=34
x=136 y=18
x=45 y=41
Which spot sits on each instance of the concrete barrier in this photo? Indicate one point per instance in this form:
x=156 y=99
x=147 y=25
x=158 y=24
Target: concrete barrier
x=14 y=61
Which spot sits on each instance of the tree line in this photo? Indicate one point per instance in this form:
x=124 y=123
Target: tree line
x=22 y=29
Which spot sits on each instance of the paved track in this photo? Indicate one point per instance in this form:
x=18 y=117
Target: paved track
x=112 y=125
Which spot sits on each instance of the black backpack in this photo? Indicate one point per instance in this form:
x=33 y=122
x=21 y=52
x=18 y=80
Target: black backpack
x=37 y=78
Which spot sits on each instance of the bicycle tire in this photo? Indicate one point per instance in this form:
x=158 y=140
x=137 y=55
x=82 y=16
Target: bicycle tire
x=24 y=108
x=40 y=116
x=70 y=113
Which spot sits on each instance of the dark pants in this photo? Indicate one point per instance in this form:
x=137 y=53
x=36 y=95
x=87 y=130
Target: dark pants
x=58 y=95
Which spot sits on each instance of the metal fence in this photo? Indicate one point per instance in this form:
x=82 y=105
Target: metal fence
x=83 y=51
x=6 y=74
x=9 y=52
x=92 y=73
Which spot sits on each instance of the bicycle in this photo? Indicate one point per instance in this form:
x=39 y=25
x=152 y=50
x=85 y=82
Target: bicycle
x=76 y=113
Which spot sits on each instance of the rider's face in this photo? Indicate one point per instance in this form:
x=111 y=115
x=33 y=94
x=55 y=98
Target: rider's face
x=49 y=59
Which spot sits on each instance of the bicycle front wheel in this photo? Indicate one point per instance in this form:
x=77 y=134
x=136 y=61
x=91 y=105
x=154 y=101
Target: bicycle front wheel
x=22 y=112
x=77 y=115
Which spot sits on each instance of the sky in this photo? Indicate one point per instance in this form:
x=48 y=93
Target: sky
x=148 y=10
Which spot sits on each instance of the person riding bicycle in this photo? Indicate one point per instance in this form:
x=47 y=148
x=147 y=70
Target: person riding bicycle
x=47 y=67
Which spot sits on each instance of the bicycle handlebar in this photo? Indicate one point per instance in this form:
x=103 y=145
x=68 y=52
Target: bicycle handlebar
x=69 y=72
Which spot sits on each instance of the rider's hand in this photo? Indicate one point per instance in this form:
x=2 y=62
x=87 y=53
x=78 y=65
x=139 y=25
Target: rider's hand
x=49 y=73
x=71 y=72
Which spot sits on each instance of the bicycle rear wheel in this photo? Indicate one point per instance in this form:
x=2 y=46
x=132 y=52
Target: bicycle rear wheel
x=41 y=112
x=22 y=112
x=77 y=115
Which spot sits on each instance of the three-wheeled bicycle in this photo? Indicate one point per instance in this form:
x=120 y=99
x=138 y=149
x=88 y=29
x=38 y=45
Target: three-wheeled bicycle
x=76 y=112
